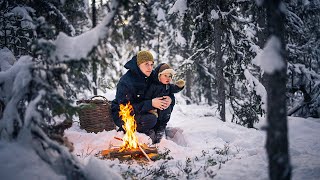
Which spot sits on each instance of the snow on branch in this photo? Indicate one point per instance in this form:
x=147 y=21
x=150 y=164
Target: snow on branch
x=270 y=59
x=32 y=110
x=14 y=84
x=7 y=59
x=23 y=12
x=63 y=20
x=78 y=47
x=255 y=85
x=179 y=6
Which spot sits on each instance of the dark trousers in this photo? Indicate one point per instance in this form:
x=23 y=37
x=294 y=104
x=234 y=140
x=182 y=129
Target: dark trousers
x=145 y=122
x=164 y=117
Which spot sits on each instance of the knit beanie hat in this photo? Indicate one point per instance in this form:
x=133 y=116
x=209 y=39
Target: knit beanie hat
x=144 y=56
x=165 y=68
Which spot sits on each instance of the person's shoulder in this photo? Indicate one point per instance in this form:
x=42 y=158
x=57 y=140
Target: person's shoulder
x=157 y=84
x=127 y=75
x=126 y=78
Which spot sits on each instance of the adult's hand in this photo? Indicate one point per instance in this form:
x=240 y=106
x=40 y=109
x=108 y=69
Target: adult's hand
x=160 y=103
x=167 y=100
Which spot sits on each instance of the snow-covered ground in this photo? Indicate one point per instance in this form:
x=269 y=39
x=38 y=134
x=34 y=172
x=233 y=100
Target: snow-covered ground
x=206 y=148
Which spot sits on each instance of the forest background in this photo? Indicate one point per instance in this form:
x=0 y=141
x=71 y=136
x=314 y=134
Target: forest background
x=53 y=51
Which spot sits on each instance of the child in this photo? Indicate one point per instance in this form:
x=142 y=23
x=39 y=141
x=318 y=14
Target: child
x=163 y=87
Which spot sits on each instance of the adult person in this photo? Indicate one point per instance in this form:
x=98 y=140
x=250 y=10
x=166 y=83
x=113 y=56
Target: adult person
x=132 y=87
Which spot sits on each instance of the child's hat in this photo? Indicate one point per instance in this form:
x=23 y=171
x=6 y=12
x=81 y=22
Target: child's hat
x=144 y=56
x=165 y=68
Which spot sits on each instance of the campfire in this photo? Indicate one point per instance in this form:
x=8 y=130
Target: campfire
x=130 y=148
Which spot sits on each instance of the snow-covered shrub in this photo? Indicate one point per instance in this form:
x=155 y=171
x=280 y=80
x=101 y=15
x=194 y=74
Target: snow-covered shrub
x=303 y=91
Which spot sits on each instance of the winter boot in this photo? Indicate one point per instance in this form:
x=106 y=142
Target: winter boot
x=160 y=133
x=151 y=133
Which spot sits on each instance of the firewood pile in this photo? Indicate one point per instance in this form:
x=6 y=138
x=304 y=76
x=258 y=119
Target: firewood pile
x=146 y=154
x=142 y=153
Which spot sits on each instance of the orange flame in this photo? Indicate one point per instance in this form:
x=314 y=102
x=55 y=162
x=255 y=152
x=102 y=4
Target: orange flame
x=130 y=140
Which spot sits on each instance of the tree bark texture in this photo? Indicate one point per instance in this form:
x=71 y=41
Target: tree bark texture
x=277 y=138
x=186 y=52
x=188 y=85
x=219 y=65
x=94 y=62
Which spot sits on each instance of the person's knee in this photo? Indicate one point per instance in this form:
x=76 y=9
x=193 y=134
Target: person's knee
x=164 y=115
x=145 y=122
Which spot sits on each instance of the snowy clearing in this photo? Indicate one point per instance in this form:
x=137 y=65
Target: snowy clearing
x=237 y=152
x=203 y=148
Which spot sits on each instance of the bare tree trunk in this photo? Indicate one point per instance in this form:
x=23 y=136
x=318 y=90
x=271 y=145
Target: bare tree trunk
x=158 y=51
x=219 y=66
x=94 y=62
x=188 y=85
x=186 y=33
x=209 y=86
x=277 y=138
x=261 y=19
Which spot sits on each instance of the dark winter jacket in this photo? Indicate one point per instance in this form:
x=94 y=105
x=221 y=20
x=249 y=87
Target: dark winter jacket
x=131 y=88
x=157 y=89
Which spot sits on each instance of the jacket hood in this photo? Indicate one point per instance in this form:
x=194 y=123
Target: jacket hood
x=133 y=67
x=156 y=70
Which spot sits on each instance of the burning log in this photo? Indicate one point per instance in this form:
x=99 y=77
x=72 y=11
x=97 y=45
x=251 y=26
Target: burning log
x=115 y=153
x=139 y=146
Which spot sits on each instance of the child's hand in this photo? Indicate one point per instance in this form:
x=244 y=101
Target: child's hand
x=180 y=83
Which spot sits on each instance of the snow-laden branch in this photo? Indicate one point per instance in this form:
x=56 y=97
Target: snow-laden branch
x=78 y=47
x=255 y=85
x=189 y=60
x=7 y=59
x=270 y=59
x=32 y=110
x=179 y=6
x=61 y=16
x=14 y=85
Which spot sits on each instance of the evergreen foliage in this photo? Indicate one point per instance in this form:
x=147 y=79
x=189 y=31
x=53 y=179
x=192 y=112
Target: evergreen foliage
x=210 y=43
x=302 y=27
x=41 y=85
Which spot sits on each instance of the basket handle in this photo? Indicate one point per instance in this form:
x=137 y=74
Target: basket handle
x=88 y=101
x=104 y=98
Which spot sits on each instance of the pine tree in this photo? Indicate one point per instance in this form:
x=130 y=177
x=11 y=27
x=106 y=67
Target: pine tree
x=302 y=27
x=219 y=62
x=17 y=27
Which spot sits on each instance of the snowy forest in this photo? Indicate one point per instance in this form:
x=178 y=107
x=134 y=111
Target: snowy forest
x=252 y=83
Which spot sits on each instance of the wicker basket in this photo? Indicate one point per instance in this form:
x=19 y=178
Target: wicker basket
x=95 y=115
